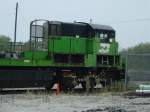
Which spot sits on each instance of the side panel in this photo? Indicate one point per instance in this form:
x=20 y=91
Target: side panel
x=114 y=48
x=89 y=46
x=35 y=55
x=60 y=45
x=67 y=45
x=20 y=77
x=90 y=60
x=78 y=45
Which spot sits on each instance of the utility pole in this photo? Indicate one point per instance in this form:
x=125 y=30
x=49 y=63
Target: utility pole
x=15 y=31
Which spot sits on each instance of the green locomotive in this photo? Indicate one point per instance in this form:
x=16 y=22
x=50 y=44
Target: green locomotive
x=62 y=52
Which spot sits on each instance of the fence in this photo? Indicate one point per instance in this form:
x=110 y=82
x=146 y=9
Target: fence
x=137 y=70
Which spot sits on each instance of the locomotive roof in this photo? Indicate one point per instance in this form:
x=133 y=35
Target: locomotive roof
x=101 y=27
x=93 y=26
x=98 y=26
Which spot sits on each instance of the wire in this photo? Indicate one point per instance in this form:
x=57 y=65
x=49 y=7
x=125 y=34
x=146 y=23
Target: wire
x=130 y=21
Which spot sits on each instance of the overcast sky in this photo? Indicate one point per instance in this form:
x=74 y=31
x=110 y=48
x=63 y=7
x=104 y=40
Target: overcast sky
x=130 y=18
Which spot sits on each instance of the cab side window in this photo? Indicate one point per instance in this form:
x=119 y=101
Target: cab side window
x=103 y=37
x=55 y=29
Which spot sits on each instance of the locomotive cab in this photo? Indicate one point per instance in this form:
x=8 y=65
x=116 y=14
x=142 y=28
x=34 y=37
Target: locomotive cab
x=103 y=32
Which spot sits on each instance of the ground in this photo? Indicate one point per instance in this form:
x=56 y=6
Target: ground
x=72 y=103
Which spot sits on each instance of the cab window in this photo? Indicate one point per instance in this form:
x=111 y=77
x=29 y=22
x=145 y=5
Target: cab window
x=103 y=37
x=55 y=29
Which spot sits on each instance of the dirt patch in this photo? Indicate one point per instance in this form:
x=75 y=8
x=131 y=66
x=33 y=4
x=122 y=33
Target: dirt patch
x=108 y=109
x=72 y=103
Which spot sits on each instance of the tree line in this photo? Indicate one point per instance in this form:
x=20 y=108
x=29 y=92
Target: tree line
x=142 y=48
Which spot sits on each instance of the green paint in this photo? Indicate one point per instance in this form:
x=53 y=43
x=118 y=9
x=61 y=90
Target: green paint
x=89 y=47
